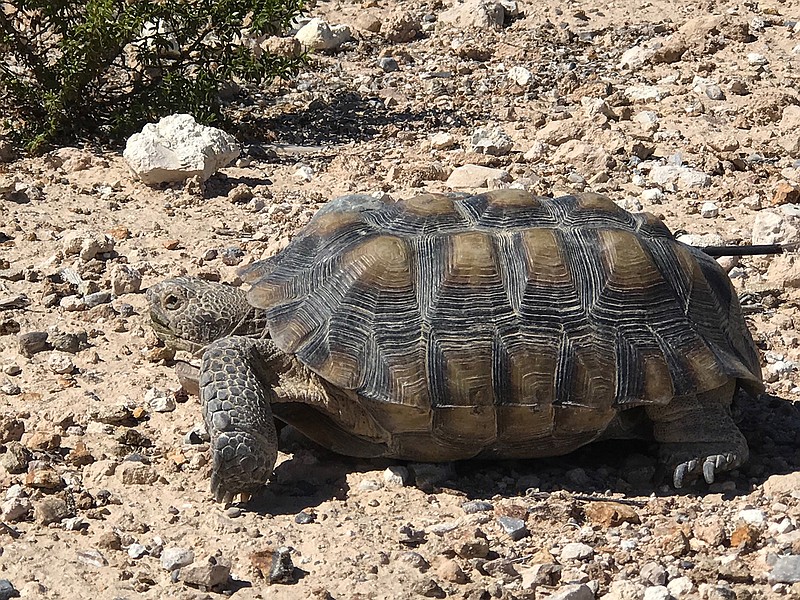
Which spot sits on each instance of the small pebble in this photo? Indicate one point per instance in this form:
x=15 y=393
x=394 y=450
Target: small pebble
x=476 y=506
x=515 y=528
x=136 y=550
x=576 y=551
x=175 y=558
x=304 y=518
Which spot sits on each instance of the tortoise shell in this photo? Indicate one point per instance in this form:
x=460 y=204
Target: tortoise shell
x=501 y=305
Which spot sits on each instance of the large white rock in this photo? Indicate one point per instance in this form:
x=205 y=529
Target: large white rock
x=177 y=148
x=318 y=35
x=475 y=176
x=780 y=226
x=480 y=14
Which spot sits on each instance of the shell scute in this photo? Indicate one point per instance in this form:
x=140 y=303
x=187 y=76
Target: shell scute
x=500 y=312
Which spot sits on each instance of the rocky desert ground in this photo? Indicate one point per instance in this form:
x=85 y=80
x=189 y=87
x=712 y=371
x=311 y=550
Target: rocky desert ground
x=689 y=110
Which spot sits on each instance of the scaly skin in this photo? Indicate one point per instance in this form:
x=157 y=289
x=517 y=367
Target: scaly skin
x=203 y=317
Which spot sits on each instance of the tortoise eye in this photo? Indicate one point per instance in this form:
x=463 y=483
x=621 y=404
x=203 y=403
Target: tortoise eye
x=172 y=302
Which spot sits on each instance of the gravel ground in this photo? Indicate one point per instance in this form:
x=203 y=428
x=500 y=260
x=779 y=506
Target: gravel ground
x=686 y=110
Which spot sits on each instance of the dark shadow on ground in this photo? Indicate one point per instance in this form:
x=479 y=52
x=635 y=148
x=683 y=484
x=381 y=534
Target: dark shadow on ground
x=771 y=425
x=342 y=118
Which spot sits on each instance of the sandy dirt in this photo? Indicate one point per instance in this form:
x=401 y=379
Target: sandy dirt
x=101 y=476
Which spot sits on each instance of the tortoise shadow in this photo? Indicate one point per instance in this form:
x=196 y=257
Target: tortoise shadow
x=770 y=424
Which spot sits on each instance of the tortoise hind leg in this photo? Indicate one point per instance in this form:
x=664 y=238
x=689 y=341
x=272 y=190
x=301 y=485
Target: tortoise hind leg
x=236 y=396
x=697 y=435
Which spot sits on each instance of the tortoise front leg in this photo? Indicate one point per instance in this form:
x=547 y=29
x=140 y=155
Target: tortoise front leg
x=236 y=396
x=698 y=436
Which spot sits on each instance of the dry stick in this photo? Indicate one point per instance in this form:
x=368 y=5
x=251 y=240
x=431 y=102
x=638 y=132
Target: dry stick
x=748 y=250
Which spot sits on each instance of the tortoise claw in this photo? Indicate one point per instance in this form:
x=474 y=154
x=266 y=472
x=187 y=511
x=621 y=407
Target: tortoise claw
x=709 y=467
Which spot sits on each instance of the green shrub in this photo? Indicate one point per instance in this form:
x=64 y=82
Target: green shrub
x=77 y=69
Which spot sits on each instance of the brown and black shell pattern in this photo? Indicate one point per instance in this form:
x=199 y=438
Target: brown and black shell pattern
x=501 y=324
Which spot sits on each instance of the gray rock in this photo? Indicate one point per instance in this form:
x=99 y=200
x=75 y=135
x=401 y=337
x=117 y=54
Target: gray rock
x=50 y=509
x=282 y=569
x=60 y=363
x=476 y=506
x=212 y=573
x=579 y=591
x=15 y=509
x=388 y=64
x=32 y=342
x=653 y=573
x=175 y=558
x=16 y=458
x=576 y=551
x=7 y=590
x=177 y=148
x=68 y=341
x=786 y=569
x=96 y=299
x=514 y=528
x=429 y=475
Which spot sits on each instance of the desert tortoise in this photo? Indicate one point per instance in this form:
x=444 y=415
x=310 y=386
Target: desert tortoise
x=449 y=327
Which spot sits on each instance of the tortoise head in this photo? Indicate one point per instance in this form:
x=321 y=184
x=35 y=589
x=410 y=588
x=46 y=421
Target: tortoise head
x=189 y=313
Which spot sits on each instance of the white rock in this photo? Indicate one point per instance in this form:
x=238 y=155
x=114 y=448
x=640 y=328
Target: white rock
x=177 y=148
x=369 y=485
x=624 y=590
x=680 y=587
x=72 y=303
x=657 y=592
x=776 y=227
x=86 y=244
x=442 y=141
x=480 y=14
x=576 y=551
x=520 y=75
x=635 y=57
x=475 y=176
x=754 y=58
x=629 y=204
x=125 y=280
x=15 y=509
x=709 y=210
x=646 y=117
x=653 y=196
x=573 y=592
x=319 y=35
x=175 y=558
x=304 y=173
x=395 y=476
x=683 y=177
x=492 y=141
x=705 y=239
x=159 y=400
x=645 y=93
x=60 y=363
x=136 y=550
